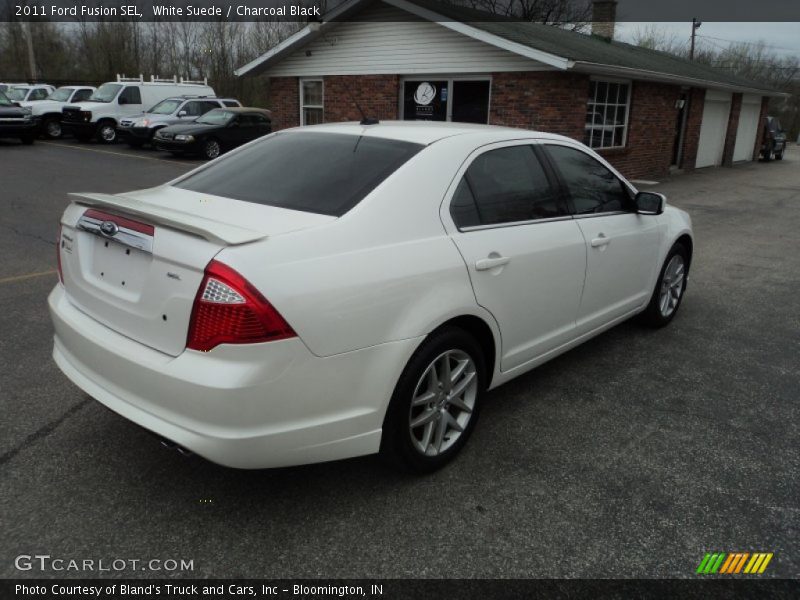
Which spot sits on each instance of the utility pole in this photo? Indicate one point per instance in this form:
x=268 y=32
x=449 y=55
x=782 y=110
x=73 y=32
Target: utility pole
x=695 y=26
x=31 y=54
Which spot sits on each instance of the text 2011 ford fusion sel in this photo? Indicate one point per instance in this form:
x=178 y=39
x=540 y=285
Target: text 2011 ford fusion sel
x=339 y=290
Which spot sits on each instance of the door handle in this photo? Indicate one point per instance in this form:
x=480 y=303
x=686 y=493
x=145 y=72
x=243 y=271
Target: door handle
x=600 y=241
x=485 y=264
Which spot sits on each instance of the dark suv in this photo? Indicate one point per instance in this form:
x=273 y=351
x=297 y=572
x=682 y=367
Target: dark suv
x=16 y=121
x=774 y=143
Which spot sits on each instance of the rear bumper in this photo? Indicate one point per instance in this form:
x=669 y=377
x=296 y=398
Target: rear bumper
x=253 y=406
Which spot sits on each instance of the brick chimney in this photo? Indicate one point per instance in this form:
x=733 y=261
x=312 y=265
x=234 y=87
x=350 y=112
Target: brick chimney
x=604 y=14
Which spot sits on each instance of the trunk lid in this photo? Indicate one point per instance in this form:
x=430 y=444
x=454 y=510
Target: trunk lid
x=135 y=261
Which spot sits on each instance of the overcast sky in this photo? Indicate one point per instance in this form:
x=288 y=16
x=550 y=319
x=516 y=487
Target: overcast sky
x=782 y=38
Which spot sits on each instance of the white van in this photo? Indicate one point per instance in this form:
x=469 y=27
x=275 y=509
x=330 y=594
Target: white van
x=98 y=117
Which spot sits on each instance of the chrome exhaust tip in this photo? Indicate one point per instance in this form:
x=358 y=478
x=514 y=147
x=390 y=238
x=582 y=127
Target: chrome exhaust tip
x=173 y=446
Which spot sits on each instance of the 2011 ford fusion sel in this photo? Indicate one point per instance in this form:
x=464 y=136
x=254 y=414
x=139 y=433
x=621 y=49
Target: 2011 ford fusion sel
x=346 y=289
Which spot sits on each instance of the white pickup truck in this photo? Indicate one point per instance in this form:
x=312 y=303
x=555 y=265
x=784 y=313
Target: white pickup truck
x=48 y=111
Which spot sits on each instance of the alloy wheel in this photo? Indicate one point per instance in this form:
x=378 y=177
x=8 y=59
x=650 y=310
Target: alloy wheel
x=443 y=402
x=671 y=286
x=212 y=149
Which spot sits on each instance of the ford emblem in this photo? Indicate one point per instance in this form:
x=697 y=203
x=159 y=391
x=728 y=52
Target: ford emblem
x=109 y=228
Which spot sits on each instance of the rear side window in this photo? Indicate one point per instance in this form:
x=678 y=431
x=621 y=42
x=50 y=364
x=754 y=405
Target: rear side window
x=231 y=103
x=325 y=173
x=506 y=185
x=592 y=187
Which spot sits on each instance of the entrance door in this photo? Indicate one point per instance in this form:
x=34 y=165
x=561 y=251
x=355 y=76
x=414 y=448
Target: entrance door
x=425 y=100
x=460 y=100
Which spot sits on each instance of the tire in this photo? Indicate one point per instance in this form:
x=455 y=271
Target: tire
x=779 y=156
x=670 y=287
x=767 y=154
x=27 y=139
x=444 y=421
x=106 y=132
x=211 y=149
x=51 y=128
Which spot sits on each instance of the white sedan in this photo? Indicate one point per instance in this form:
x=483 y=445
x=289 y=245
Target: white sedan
x=345 y=289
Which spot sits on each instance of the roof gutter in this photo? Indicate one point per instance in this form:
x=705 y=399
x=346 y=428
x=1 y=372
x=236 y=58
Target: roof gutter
x=642 y=74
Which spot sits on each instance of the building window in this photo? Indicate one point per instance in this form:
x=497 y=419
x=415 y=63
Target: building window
x=311 y=103
x=607 y=114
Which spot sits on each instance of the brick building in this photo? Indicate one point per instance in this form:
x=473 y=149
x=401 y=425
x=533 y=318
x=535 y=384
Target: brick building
x=646 y=111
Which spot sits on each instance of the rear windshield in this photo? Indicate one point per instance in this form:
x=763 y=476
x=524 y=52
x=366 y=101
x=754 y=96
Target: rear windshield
x=325 y=173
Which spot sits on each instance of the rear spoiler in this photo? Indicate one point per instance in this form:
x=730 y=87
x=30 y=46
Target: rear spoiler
x=212 y=230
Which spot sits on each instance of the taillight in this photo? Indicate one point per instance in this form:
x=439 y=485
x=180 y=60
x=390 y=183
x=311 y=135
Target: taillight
x=229 y=310
x=58 y=255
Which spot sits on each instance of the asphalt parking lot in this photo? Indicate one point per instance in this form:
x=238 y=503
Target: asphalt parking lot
x=630 y=456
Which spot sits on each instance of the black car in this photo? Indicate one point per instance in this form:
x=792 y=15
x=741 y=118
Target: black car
x=215 y=132
x=774 y=143
x=16 y=121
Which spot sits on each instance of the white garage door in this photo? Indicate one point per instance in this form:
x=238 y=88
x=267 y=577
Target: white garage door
x=716 y=111
x=748 y=128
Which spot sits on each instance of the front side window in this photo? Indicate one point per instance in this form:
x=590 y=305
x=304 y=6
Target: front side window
x=606 y=114
x=132 y=95
x=506 y=185
x=311 y=103
x=339 y=170
x=592 y=187
x=206 y=106
x=194 y=109
x=82 y=95
x=4 y=101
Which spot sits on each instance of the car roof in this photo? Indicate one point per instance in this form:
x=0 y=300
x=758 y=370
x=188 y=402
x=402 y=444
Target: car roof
x=427 y=132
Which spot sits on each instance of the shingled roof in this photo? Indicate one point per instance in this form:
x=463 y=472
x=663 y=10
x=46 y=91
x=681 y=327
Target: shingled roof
x=588 y=49
x=556 y=46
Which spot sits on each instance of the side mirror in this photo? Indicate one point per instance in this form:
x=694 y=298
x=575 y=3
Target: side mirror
x=182 y=114
x=233 y=124
x=650 y=203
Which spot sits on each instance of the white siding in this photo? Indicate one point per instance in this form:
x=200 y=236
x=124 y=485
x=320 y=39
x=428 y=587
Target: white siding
x=384 y=41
